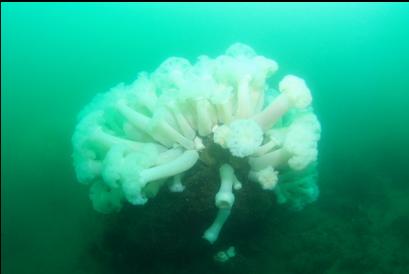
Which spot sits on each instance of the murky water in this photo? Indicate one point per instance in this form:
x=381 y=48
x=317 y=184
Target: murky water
x=355 y=58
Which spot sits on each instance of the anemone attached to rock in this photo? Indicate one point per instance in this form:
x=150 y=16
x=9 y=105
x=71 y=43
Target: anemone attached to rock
x=134 y=139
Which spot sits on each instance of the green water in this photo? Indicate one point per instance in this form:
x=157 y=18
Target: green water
x=355 y=58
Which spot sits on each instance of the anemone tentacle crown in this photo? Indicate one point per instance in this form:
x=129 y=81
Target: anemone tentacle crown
x=135 y=139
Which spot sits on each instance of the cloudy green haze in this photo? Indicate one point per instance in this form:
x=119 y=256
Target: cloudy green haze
x=354 y=57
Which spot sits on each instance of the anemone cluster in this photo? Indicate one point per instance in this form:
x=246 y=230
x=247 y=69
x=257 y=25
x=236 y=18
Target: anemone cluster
x=135 y=139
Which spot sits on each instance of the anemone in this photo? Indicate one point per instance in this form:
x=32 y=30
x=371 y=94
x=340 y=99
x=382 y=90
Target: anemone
x=134 y=139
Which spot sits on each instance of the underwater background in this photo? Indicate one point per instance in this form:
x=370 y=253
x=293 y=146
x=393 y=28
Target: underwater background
x=355 y=59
